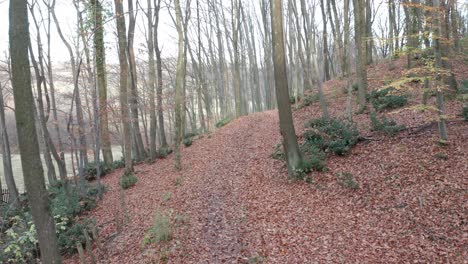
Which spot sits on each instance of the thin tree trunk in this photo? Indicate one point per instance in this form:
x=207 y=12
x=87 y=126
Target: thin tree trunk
x=123 y=91
x=6 y=156
x=162 y=131
x=291 y=147
x=101 y=81
x=138 y=140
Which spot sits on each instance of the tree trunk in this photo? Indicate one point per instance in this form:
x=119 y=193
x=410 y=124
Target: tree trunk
x=235 y=43
x=162 y=131
x=291 y=147
x=101 y=81
x=27 y=137
x=326 y=66
x=359 y=33
x=439 y=66
x=6 y=156
x=152 y=82
x=124 y=111
x=179 y=97
x=138 y=140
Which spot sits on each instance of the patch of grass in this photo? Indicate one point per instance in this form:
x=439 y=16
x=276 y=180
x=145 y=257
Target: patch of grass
x=346 y=179
x=178 y=180
x=441 y=155
x=257 y=259
x=167 y=196
x=181 y=219
x=278 y=153
x=223 y=122
x=128 y=180
x=160 y=231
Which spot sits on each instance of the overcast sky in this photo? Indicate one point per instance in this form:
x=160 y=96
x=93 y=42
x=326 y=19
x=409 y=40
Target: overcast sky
x=66 y=15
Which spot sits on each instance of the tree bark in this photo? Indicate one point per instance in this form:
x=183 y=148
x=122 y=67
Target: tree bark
x=27 y=137
x=152 y=82
x=291 y=147
x=6 y=156
x=137 y=138
x=123 y=91
x=359 y=33
x=101 y=82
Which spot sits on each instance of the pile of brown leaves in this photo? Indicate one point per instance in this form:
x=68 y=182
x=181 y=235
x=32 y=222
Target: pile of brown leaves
x=239 y=206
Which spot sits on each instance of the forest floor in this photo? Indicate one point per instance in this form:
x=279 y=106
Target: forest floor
x=233 y=203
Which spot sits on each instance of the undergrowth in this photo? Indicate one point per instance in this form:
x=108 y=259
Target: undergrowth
x=387 y=98
x=387 y=126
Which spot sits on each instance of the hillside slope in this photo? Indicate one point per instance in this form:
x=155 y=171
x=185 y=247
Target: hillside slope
x=233 y=203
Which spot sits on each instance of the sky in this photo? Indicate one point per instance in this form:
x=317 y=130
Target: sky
x=66 y=15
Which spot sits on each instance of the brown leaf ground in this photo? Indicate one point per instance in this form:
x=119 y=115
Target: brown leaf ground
x=238 y=206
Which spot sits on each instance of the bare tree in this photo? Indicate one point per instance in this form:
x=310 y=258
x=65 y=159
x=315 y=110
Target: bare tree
x=27 y=137
x=290 y=145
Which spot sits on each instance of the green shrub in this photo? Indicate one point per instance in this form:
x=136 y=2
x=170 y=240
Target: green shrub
x=160 y=231
x=66 y=202
x=223 y=122
x=71 y=233
x=163 y=152
x=465 y=83
x=292 y=99
x=465 y=113
x=308 y=99
x=188 y=142
x=385 y=99
x=278 y=153
x=331 y=135
x=20 y=240
x=388 y=126
x=91 y=172
x=314 y=156
x=128 y=180
x=118 y=164
x=346 y=179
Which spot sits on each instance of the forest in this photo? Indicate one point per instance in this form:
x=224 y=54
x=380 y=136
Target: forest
x=233 y=131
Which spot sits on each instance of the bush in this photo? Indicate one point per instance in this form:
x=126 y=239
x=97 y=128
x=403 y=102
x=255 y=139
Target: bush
x=188 y=142
x=128 y=180
x=315 y=157
x=331 y=135
x=388 y=126
x=20 y=240
x=160 y=231
x=223 y=122
x=308 y=100
x=346 y=179
x=65 y=204
x=91 y=172
x=292 y=99
x=384 y=99
x=163 y=152
x=118 y=164
x=71 y=233
x=278 y=153
x=465 y=113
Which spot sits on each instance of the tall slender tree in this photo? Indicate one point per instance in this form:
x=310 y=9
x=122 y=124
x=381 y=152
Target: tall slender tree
x=123 y=90
x=27 y=137
x=101 y=81
x=290 y=145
